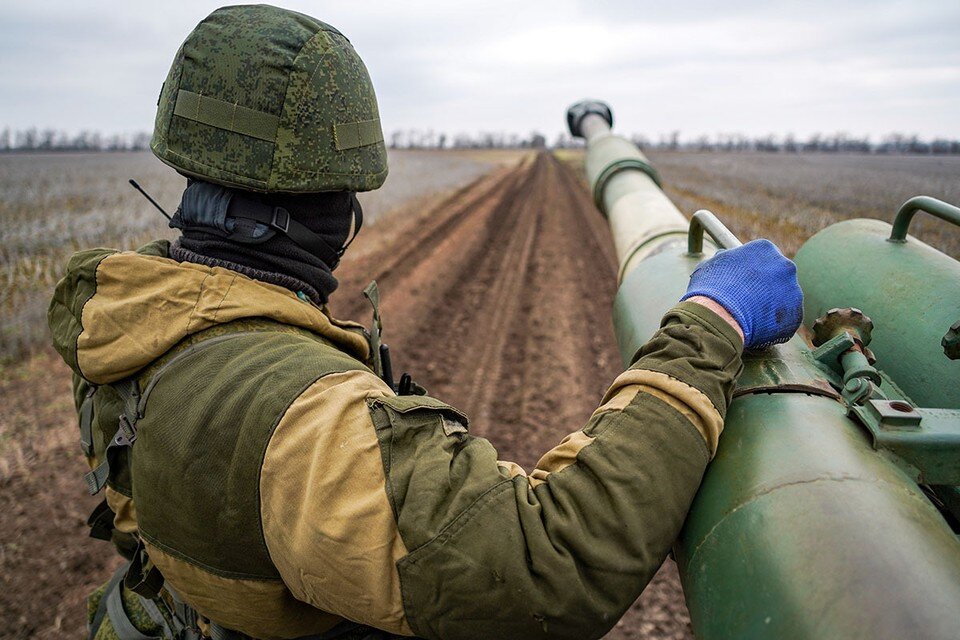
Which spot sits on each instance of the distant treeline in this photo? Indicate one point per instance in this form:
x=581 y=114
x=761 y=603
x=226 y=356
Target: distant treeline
x=34 y=139
x=416 y=139
x=817 y=143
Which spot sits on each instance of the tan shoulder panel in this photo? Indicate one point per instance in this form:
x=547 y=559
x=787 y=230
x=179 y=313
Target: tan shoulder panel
x=326 y=517
x=259 y=608
x=129 y=322
x=560 y=457
x=689 y=401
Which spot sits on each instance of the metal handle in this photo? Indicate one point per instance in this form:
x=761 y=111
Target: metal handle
x=702 y=221
x=934 y=207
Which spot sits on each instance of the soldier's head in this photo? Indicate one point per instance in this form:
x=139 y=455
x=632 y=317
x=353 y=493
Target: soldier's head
x=272 y=117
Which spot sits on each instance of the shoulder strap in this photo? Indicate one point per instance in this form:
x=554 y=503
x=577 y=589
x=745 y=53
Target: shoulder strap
x=173 y=625
x=101 y=612
x=380 y=352
x=134 y=404
x=86 y=422
x=126 y=435
x=372 y=293
x=121 y=623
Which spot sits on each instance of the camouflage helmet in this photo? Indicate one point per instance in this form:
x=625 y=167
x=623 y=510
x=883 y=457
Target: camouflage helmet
x=270 y=100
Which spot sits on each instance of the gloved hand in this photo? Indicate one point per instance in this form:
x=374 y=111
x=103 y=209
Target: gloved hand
x=758 y=286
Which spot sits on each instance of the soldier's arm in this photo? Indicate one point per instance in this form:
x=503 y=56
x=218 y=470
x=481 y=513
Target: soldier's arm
x=384 y=510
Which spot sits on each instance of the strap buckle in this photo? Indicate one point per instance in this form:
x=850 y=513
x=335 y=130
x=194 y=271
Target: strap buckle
x=126 y=433
x=281 y=219
x=101 y=521
x=143 y=577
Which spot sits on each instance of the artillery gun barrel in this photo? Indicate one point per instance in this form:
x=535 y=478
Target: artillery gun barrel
x=801 y=529
x=625 y=183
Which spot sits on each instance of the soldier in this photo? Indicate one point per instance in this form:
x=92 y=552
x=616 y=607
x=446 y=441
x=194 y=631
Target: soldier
x=264 y=481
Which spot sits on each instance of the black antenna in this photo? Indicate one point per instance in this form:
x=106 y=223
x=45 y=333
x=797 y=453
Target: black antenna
x=146 y=195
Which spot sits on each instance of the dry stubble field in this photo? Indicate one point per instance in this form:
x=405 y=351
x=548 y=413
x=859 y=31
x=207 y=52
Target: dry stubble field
x=788 y=198
x=454 y=313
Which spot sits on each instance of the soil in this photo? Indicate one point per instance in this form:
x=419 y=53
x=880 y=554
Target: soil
x=495 y=297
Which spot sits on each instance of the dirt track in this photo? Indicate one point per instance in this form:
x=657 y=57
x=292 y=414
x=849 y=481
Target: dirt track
x=501 y=305
x=498 y=301
x=496 y=298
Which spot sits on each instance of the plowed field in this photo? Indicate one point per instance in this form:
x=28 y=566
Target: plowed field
x=496 y=298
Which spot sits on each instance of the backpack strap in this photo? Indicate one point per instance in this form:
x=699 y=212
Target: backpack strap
x=380 y=353
x=126 y=435
x=86 y=422
x=121 y=623
x=101 y=613
x=111 y=608
x=372 y=293
x=143 y=577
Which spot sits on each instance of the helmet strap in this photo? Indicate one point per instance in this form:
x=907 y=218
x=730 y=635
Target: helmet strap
x=357 y=223
x=280 y=220
x=235 y=216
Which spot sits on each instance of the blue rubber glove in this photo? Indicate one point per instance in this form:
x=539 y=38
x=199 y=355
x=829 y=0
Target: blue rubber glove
x=758 y=286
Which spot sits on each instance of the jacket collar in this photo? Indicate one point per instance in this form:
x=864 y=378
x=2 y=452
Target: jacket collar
x=143 y=303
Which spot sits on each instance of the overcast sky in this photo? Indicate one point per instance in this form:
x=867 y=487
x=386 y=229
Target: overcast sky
x=700 y=67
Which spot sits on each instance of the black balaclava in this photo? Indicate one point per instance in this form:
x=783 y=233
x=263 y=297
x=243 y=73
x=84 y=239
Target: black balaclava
x=214 y=237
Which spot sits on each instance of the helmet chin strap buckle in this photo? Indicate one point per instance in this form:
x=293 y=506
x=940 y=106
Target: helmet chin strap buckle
x=357 y=223
x=281 y=219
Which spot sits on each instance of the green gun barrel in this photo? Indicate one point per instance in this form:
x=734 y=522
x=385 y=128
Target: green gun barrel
x=801 y=529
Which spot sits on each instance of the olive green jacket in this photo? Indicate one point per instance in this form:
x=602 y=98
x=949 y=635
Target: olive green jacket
x=280 y=486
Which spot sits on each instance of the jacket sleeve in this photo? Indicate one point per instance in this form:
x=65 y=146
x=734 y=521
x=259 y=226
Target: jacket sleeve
x=485 y=550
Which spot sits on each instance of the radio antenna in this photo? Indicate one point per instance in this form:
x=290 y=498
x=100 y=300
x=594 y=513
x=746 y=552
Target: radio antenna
x=146 y=195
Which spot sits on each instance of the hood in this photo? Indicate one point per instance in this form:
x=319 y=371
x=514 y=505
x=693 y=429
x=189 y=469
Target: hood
x=115 y=312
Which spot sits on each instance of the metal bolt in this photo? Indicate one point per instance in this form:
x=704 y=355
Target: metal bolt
x=853 y=385
x=856 y=390
x=849 y=319
x=951 y=341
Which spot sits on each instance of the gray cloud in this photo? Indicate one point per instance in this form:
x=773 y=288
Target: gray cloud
x=703 y=67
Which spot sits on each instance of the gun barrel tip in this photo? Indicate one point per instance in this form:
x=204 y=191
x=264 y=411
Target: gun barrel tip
x=579 y=110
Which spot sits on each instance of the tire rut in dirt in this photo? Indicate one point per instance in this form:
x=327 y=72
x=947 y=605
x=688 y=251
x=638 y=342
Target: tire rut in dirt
x=565 y=355
x=452 y=349
x=425 y=258
x=505 y=313
x=516 y=330
x=451 y=212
